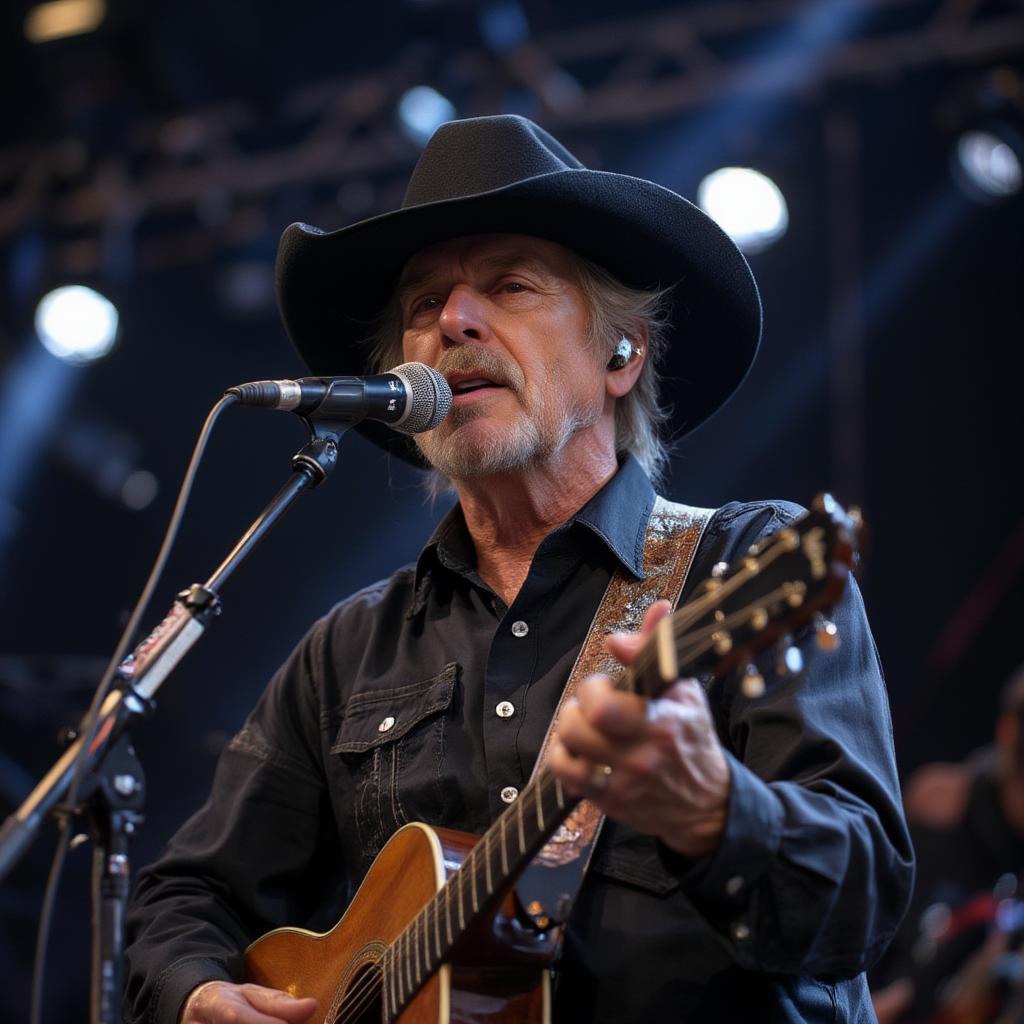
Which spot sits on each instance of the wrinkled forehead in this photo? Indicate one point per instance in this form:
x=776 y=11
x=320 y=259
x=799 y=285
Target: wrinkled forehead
x=485 y=252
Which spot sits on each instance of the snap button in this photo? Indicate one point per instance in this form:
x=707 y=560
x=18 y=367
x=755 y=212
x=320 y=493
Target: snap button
x=740 y=932
x=733 y=886
x=520 y=628
x=506 y=709
x=386 y=724
x=509 y=793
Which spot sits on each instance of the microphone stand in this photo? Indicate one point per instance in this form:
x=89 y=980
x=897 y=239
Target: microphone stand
x=112 y=793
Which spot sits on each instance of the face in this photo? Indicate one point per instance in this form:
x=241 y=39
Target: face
x=502 y=319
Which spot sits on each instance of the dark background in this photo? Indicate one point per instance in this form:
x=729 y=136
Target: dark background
x=160 y=157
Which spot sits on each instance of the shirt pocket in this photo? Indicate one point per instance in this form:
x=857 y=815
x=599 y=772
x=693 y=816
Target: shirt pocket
x=391 y=742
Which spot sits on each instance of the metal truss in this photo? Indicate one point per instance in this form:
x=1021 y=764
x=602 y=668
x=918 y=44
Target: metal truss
x=185 y=187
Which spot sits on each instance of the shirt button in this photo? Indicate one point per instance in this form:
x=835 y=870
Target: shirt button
x=509 y=793
x=734 y=885
x=520 y=628
x=386 y=724
x=506 y=709
x=740 y=932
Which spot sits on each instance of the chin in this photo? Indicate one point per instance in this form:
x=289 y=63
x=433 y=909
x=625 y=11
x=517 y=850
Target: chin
x=481 y=448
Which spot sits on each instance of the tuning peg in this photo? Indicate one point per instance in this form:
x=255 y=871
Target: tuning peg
x=826 y=633
x=752 y=683
x=789 y=659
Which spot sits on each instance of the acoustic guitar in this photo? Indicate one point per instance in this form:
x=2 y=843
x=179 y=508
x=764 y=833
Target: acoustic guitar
x=435 y=933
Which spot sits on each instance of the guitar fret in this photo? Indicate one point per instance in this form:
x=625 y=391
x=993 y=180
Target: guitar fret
x=462 y=909
x=448 y=912
x=471 y=867
x=504 y=852
x=559 y=795
x=538 y=795
x=487 y=866
x=519 y=821
x=437 y=930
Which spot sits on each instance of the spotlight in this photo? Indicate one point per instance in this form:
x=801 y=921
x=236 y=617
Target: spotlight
x=503 y=25
x=59 y=19
x=987 y=166
x=422 y=110
x=76 y=324
x=747 y=205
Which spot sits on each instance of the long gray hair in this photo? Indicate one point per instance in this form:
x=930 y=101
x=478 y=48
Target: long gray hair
x=614 y=311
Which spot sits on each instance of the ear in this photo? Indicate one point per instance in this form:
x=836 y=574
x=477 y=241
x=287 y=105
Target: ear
x=619 y=382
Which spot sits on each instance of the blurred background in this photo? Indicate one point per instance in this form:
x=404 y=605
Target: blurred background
x=151 y=155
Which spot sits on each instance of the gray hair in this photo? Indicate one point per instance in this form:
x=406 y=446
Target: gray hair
x=614 y=311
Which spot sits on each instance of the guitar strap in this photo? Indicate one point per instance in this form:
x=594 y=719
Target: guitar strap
x=549 y=885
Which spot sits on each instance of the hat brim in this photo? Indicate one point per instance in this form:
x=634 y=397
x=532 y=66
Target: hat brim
x=331 y=286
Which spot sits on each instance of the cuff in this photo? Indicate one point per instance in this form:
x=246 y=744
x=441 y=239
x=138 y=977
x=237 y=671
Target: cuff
x=749 y=844
x=178 y=980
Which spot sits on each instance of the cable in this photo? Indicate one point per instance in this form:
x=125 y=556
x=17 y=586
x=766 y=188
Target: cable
x=91 y=719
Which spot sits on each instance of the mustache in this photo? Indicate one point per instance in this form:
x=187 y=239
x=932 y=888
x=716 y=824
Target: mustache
x=466 y=359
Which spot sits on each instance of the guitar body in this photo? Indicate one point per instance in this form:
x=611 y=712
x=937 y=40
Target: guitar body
x=501 y=979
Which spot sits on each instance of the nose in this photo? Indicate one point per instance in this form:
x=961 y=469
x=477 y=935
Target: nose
x=462 y=318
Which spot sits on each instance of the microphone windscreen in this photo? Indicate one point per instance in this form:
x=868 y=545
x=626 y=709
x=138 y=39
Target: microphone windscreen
x=428 y=396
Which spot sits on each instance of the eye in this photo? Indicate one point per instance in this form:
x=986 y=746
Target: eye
x=512 y=287
x=424 y=305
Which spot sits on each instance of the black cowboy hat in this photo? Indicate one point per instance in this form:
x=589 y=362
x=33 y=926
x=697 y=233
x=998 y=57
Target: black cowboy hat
x=505 y=174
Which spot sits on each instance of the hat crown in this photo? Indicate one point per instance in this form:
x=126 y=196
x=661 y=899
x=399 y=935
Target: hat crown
x=482 y=154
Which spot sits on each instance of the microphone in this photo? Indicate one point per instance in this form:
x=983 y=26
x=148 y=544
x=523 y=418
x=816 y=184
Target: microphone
x=411 y=398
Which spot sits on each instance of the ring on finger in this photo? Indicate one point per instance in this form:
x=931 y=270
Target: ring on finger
x=599 y=775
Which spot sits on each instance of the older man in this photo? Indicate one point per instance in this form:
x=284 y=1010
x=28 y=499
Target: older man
x=754 y=860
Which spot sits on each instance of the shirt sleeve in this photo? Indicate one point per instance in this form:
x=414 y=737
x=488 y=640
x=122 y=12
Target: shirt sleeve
x=815 y=867
x=261 y=851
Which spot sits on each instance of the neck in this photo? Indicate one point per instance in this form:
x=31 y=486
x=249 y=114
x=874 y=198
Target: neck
x=509 y=514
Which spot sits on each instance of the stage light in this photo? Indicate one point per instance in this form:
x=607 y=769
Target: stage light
x=503 y=25
x=422 y=110
x=987 y=165
x=62 y=18
x=747 y=205
x=76 y=324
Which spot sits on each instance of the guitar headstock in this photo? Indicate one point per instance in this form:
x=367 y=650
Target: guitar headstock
x=785 y=581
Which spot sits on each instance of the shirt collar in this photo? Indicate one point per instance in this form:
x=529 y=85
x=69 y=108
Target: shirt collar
x=617 y=515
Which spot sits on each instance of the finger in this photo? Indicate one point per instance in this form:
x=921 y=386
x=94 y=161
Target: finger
x=687 y=692
x=581 y=739
x=580 y=776
x=619 y=716
x=279 y=1005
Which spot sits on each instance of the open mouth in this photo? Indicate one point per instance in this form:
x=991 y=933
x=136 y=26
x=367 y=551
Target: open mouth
x=468 y=385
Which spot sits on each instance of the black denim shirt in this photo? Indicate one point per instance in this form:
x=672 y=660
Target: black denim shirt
x=387 y=713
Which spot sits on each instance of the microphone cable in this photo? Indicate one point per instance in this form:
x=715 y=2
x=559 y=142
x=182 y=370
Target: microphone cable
x=91 y=719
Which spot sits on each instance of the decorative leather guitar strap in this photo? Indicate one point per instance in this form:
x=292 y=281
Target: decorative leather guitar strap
x=549 y=886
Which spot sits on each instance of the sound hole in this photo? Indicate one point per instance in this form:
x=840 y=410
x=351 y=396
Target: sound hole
x=363 y=1000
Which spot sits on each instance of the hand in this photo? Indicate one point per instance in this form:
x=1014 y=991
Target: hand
x=656 y=766
x=220 y=1002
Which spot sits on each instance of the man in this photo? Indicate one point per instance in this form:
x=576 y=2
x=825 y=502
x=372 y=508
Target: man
x=755 y=859
x=951 y=957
